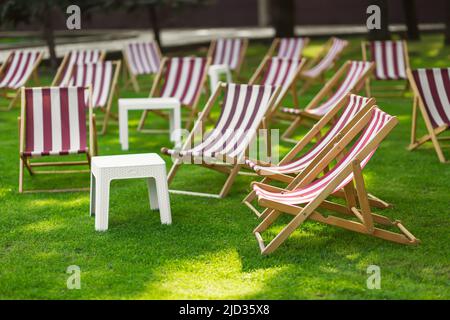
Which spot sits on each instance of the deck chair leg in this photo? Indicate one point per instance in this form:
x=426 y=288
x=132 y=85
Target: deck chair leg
x=367 y=87
x=268 y=220
x=142 y=120
x=105 y=122
x=414 y=121
x=173 y=170
x=362 y=196
x=229 y=182
x=135 y=83
x=21 y=175
x=438 y=148
x=290 y=130
x=306 y=85
x=13 y=101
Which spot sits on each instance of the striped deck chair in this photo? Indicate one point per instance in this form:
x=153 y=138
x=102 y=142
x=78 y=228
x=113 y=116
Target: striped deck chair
x=324 y=61
x=74 y=57
x=230 y=52
x=53 y=123
x=224 y=147
x=290 y=48
x=102 y=78
x=313 y=193
x=350 y=78
x=431 y=89
x=15 y=72
x=280 y=72
x=391 y=61
x=295 y=164
x=181 y=78
x=140 y=58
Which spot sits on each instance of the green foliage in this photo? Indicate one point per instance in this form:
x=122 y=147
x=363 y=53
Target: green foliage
x=209 y=251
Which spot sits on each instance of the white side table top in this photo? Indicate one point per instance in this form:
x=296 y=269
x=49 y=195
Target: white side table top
x=127 y=160
x=150 y=103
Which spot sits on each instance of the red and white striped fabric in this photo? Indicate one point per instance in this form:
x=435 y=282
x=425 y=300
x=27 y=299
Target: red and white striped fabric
x=310 y=192
x=228 y=51
x=18 y=68
x=355 y=72
x=291 y=48
x=389 y=57
x=55 y=121
x=434 y=88
x=328 y=60
x=96 y=75
x=356 y=103
x=143 y=57
x=77 y=57
x=243 y=108
x=280 y=72
x=183 y=78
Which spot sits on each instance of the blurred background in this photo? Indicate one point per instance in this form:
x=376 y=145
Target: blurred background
x=177 y=23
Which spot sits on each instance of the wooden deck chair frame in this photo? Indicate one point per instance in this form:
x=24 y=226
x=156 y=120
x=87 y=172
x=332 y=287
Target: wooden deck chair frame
x=25 y=161
x=358 y=208
x=14 y=96
x=432 y=132
x=233 y=166
x=65 y=61
x=292 y=181
x=393 y=91
x=326 y=91
x=155 y=91
x=276 y=43
x=128 y=76
x=242 y=52
x=259 y=73
x=308 y=81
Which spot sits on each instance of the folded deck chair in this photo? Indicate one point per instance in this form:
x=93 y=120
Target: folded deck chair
x=140 y=58
x=17 y=70
x=325 y=60
x=74 y=57
x=349 y=78
x=295 y=164
x=431 y=89
x=181 y=78
x=391 y=61
x=230 y=52
x=223 y=149
x=53 y=123
x=280 y=72
x=290 y=48
x=314 y=190
x=102 y=78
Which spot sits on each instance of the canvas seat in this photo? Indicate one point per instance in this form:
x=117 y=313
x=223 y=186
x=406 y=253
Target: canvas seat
x=324 y=61
x=348 y=79
x=53 y=123
x=102 y=78
x=180 y=78
x=290 y=48
x=72 y=58
x=17 y=69
x=431 y=89
x=230 y=51
x=140 y=58
x=313 y=192
x=223 y=148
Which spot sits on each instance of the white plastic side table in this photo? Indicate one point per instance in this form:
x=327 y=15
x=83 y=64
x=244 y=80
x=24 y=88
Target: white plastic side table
x=214 y=73
x=171 y=104
x=148 y=165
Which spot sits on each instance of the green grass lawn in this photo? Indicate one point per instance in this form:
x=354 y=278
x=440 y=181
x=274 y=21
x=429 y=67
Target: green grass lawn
x=209 y=252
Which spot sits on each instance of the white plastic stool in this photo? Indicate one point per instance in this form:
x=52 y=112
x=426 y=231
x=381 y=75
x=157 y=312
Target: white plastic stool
x=171 y=104
x=107 y=168
x=214 y=73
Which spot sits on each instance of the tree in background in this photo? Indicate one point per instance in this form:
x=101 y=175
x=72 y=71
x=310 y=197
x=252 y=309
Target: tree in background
x=152 y=7
x=383 y=32
x=283 y=17
x=447 y=24
x=409 y=7
x=40 y=12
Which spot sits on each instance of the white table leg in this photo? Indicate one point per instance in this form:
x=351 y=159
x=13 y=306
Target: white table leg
x=101 y=203
x=228 y=73
x=152 y=193
x=92 y=197
x=163 y=197
x=213 y=80
x=175 y=125
x=123 y=127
